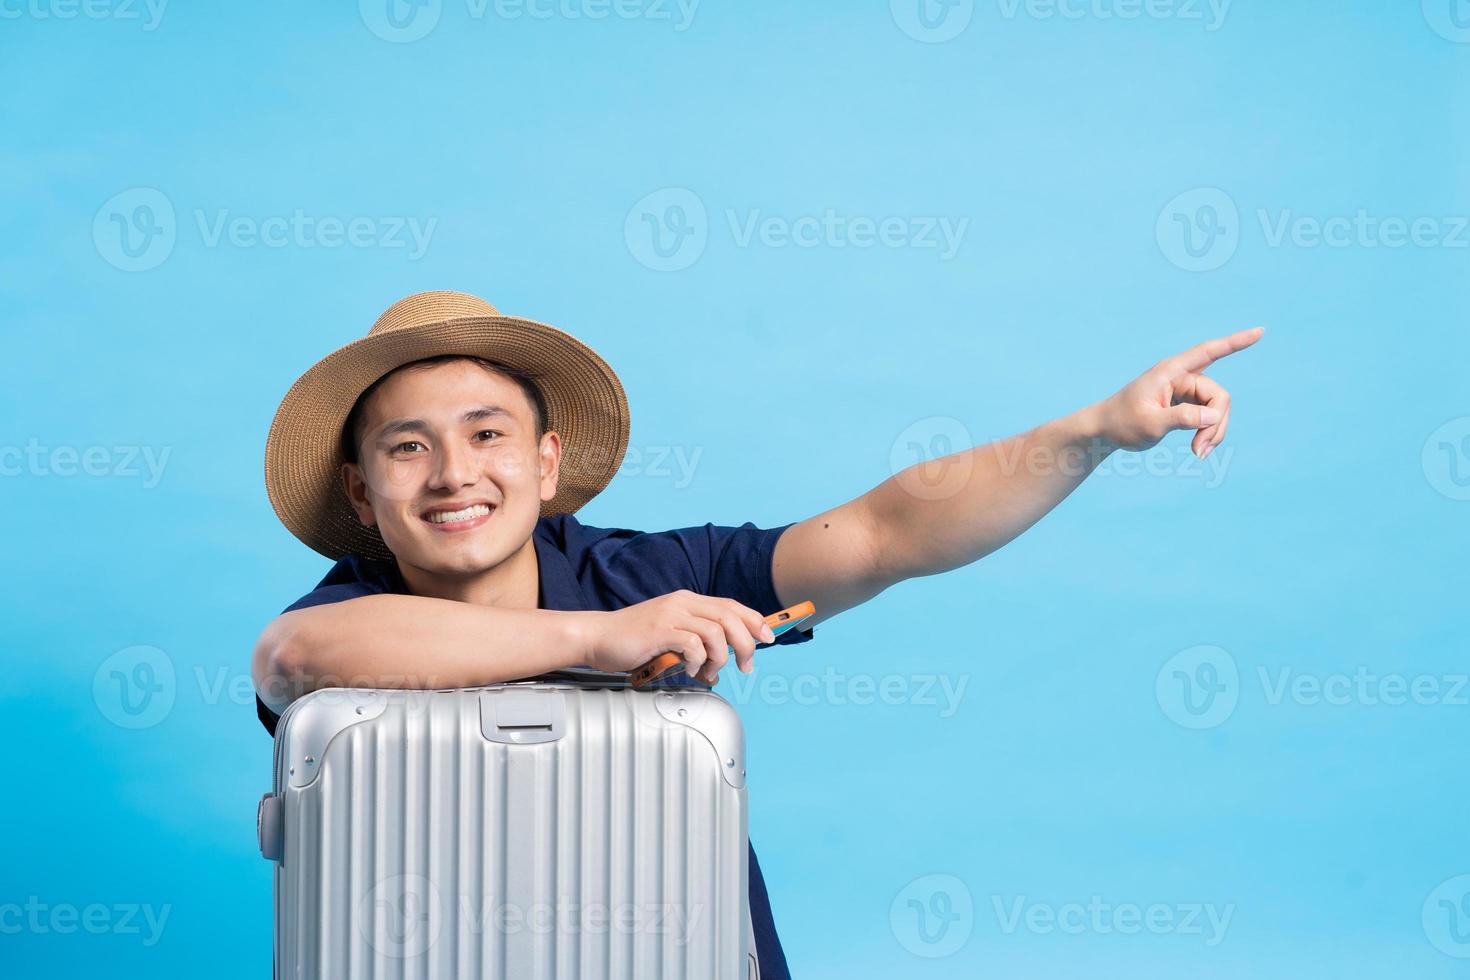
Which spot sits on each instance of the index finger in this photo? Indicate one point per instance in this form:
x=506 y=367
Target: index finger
x=752 y=620
x=1201 y=356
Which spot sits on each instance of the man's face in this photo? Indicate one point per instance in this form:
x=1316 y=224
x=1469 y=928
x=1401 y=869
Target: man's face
x=450 y=470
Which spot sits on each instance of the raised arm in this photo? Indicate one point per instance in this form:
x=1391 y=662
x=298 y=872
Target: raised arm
x=946 y=513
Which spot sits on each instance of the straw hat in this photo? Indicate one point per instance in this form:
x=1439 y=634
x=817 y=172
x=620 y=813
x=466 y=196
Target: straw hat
x=303 y=456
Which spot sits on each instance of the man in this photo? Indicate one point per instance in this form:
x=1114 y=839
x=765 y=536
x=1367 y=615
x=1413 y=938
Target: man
x=439 y=461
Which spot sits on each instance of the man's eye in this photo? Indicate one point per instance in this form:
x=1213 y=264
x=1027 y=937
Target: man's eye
x=407 y=447
x=486 y=432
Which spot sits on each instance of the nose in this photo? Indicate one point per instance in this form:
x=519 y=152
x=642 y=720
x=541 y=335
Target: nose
x=456 y=467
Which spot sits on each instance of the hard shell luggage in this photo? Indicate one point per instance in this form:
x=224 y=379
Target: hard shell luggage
x=567 y=827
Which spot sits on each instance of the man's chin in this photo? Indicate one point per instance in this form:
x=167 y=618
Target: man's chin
x=467 y=557
x=452 y=566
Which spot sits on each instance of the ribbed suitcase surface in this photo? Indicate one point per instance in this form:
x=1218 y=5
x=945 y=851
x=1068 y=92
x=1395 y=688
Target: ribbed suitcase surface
x=520 y=831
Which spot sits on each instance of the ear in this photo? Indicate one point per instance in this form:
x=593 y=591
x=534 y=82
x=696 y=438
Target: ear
x=357 y=493
x=549 y=459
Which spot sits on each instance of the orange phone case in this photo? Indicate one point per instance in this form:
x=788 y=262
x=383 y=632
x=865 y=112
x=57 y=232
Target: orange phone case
x=666 y=663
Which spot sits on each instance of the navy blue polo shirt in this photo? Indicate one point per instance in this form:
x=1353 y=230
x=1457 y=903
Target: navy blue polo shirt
x=604 y=569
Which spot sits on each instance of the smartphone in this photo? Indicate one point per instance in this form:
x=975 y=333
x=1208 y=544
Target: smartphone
x=666 y=664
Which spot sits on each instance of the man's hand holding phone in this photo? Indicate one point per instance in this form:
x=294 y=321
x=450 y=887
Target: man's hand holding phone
x=699 y=632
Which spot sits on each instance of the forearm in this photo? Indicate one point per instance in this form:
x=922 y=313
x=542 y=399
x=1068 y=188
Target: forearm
x=947 y=513
x=404 y=641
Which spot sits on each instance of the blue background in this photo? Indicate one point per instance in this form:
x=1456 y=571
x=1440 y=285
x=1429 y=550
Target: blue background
x=1333 y=542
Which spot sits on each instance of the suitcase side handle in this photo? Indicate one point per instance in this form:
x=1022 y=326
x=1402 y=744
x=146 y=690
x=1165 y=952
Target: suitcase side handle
x=270 y=827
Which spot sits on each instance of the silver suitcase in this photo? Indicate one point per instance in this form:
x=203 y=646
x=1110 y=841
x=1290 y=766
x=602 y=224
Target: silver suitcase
x=560 y=828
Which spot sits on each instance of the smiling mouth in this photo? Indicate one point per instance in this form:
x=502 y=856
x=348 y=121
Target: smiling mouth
x=459 y=520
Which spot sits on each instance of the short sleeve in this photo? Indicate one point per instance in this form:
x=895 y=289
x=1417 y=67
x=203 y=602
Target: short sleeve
x=740 y=569
x=730 y=562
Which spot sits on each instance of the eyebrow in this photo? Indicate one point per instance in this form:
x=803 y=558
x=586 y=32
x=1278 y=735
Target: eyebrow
x=398 y=427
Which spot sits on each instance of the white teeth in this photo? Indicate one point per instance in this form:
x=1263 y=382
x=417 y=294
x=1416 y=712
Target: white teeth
x=445 y=516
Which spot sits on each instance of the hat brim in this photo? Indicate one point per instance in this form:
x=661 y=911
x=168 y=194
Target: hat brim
x=585 y=403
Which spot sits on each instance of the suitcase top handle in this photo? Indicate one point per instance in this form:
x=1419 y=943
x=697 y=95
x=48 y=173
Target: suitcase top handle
x=523 y=717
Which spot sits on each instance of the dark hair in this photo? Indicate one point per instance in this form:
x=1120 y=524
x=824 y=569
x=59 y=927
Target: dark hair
x=352 y=428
